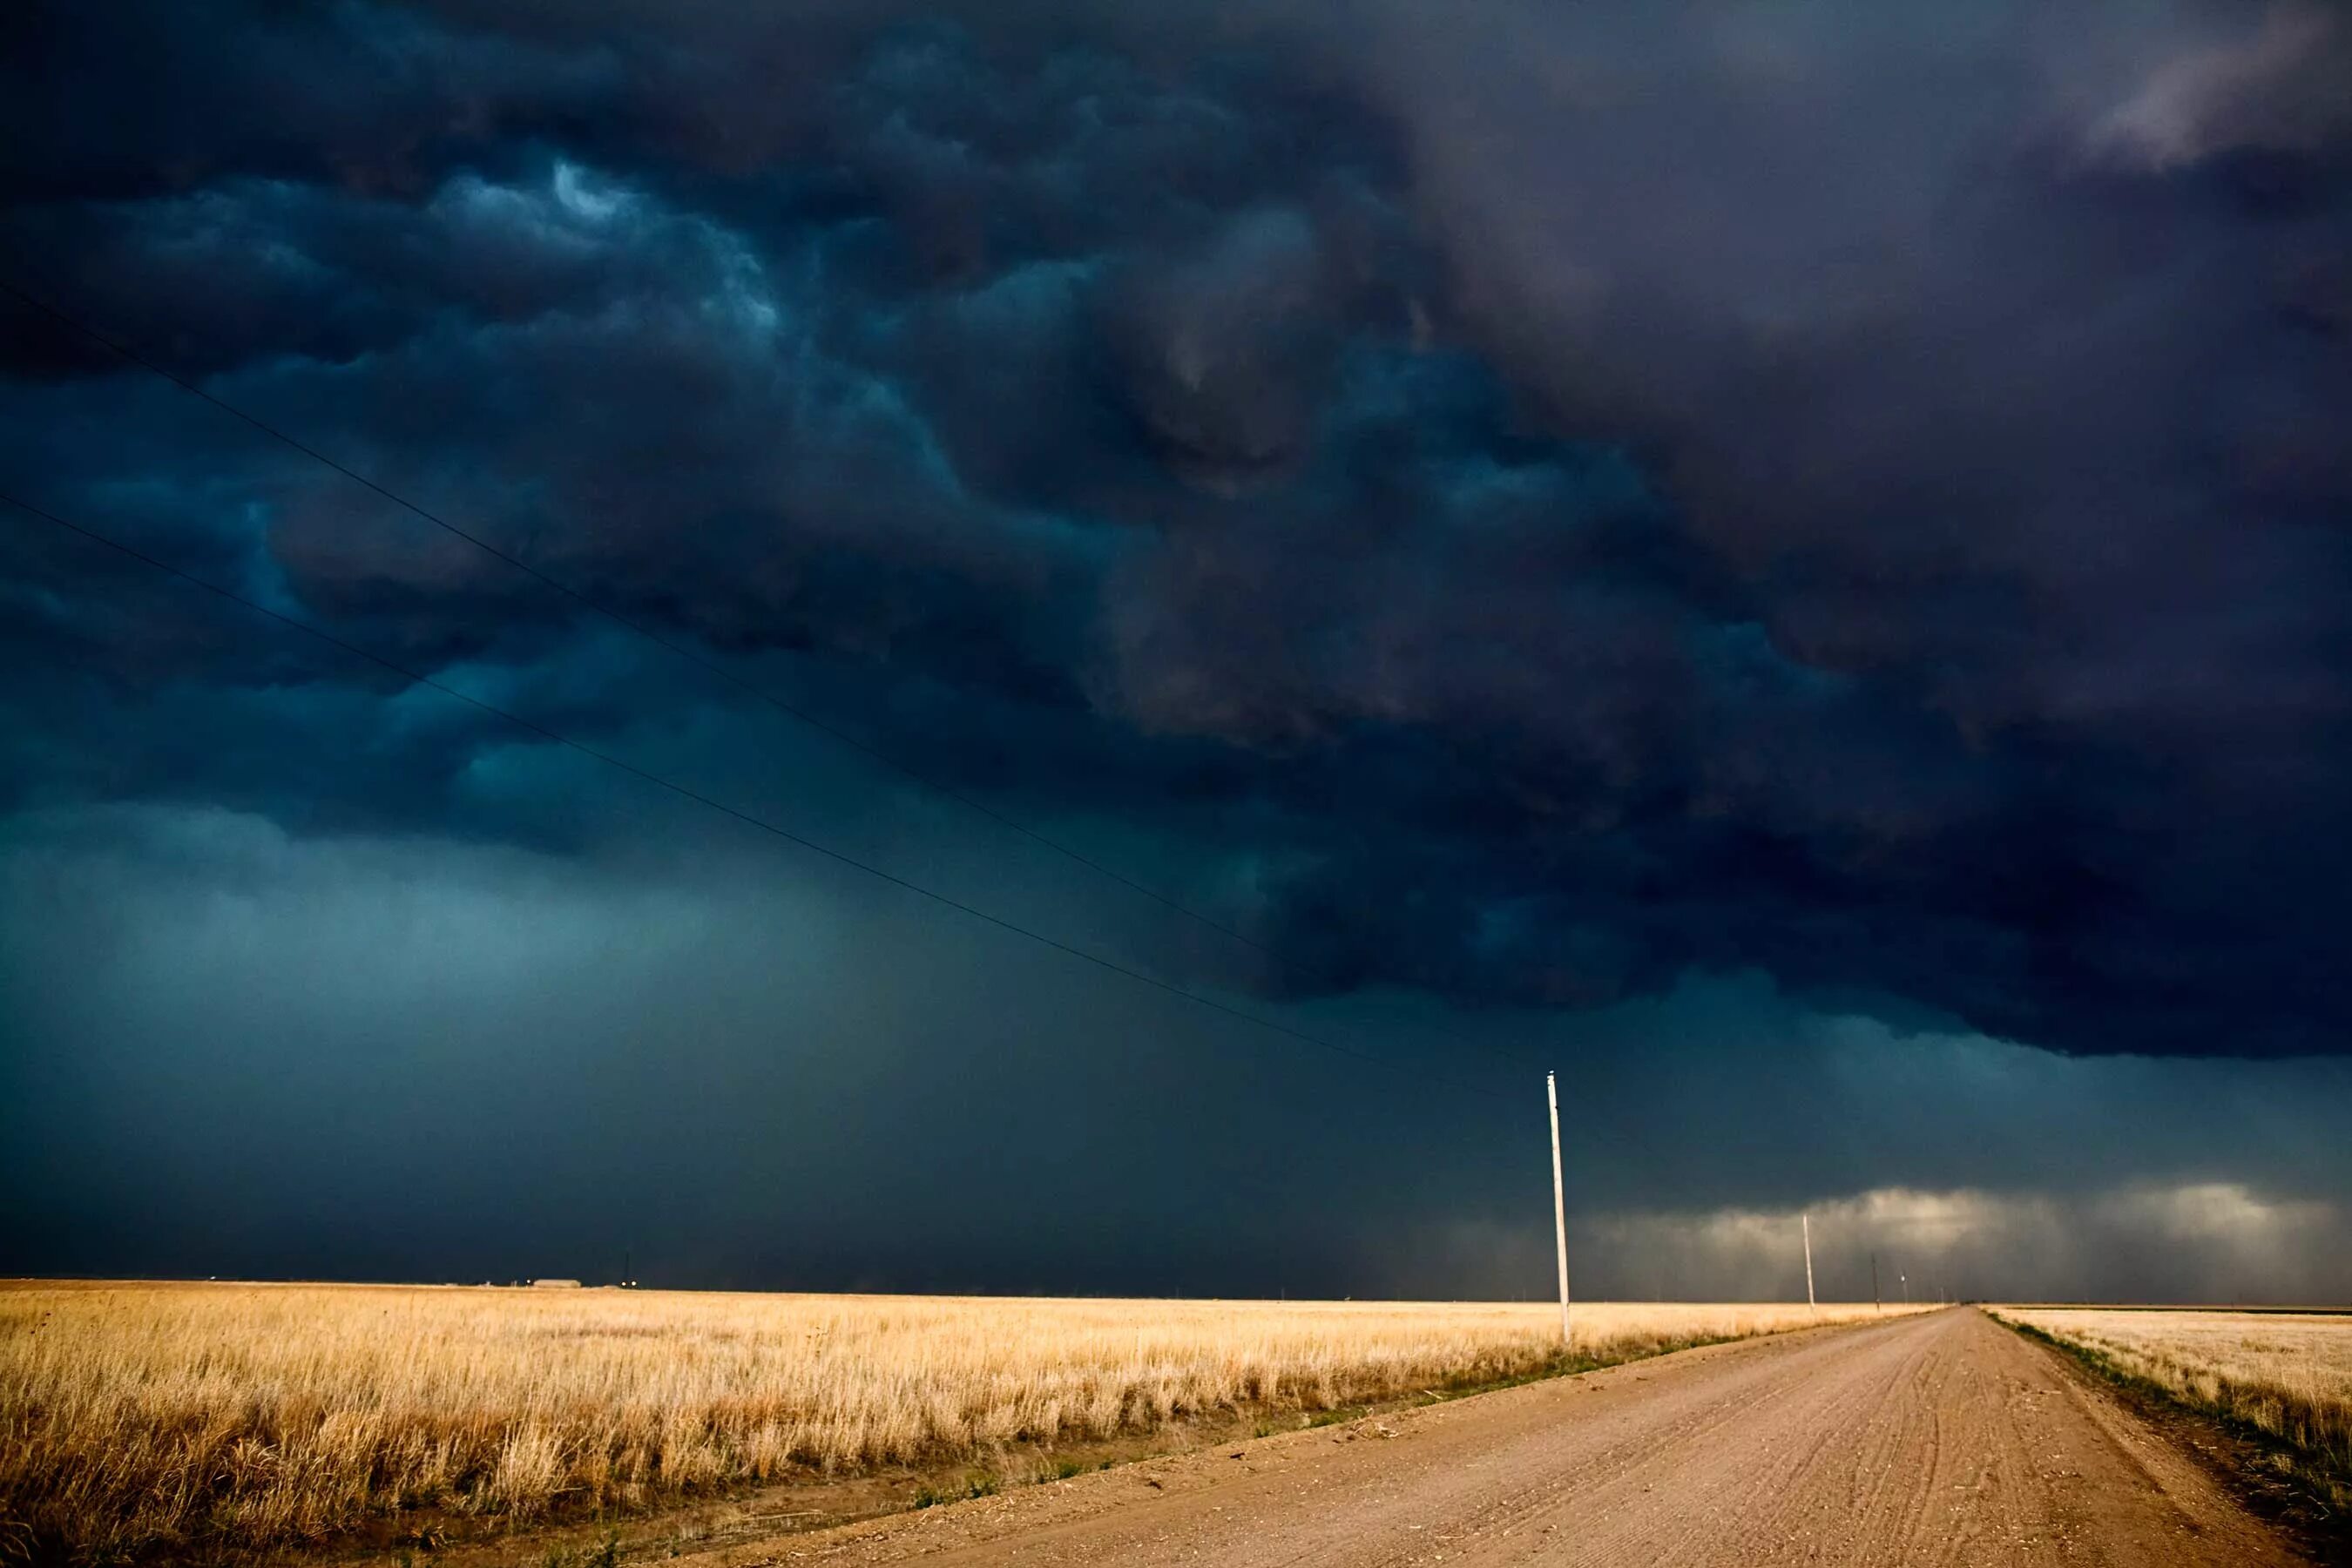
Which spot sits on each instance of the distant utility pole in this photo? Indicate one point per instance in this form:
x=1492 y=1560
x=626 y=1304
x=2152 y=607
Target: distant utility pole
x=1907 y=1288
x=1810 y=1302
x=1875 y=1305
x=1559 y=1210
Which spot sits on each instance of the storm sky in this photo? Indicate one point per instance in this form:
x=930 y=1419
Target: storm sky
x=1793 y=564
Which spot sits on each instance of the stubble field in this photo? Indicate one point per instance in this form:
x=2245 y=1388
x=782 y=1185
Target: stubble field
x=2288 y=1374
x=158 y=1419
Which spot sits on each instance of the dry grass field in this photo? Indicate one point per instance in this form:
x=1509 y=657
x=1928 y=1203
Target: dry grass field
x=162 y=1419
x=2287 y=1373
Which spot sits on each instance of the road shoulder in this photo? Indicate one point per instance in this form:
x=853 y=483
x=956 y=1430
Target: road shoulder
x=2242 y=1467
x=1183 y=1482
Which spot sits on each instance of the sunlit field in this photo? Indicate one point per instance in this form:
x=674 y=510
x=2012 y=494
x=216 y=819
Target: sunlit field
x=146 y=1418
x=2289 y=1374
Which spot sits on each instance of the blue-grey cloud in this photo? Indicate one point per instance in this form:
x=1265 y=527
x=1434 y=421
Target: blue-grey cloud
x=236 y=1049
x=1535 y=506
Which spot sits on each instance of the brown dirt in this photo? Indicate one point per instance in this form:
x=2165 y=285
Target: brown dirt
x=1943 y=1439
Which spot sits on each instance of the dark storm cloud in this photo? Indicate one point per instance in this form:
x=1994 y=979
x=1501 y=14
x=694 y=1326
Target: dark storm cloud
x=238 y=1049
x=1541 y=502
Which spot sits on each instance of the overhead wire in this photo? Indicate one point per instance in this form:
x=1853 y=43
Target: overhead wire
x=748 y=818
x=68 y=320
x=617 y=617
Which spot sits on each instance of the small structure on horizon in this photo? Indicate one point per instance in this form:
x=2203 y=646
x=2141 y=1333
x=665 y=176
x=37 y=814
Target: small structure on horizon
x=555 y=1284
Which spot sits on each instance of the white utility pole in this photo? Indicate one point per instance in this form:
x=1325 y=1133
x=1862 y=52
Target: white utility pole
x=1810 y=1302
x=1559 y=1210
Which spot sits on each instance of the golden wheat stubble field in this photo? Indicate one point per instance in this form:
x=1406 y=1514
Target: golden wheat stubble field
x=2287 y=1373
x=149 y=1419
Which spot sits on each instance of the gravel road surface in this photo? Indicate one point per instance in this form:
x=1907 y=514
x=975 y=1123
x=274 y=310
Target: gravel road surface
x=1936 y=1439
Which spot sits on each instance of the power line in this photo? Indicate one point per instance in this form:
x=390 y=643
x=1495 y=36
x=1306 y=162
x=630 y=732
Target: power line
x=625 y=622
x=638 y=628
x=748 y=818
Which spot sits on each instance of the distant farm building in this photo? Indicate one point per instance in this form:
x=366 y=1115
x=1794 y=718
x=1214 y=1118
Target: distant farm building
x=555 y=1284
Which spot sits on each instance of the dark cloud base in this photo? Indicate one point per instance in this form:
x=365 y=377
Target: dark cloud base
x=234 y=1050
x=1534 y=508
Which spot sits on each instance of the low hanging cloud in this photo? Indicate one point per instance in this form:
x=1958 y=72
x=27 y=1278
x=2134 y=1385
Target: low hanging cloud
x=231 y=1047
x=2217 y=1242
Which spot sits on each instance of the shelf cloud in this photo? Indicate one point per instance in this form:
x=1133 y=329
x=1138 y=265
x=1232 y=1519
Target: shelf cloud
x=1534 y=515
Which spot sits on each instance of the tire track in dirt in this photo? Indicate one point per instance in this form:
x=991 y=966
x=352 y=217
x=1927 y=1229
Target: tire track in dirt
x=1939 y=1439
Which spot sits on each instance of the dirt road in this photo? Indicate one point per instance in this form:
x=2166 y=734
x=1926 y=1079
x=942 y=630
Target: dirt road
x=1937 y=1439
